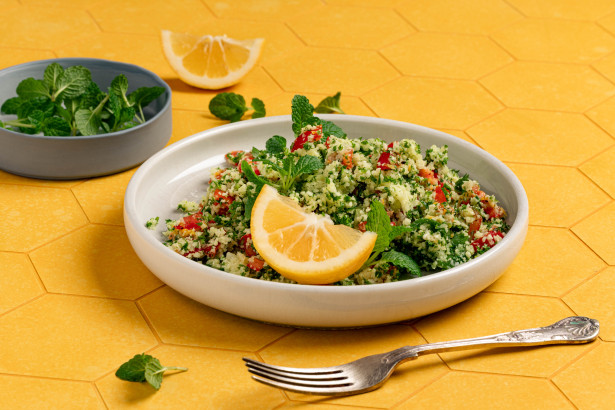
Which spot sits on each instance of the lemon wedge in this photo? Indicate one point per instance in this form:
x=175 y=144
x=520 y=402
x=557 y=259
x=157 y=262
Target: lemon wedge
x=303 y=246
x=210 y=62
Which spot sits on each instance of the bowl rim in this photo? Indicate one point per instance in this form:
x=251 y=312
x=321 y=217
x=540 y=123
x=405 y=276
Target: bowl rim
x=517 y=229
x=85 y=60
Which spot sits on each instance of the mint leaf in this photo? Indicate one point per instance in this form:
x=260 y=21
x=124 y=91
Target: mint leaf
x=378 y=221
x=302 y=113
x=72 y=83
x=330 y=105
x=32 y=88
x=119 y=86
x=401 y=260
x=143 y=96
x=228 y=106
x=52 y=75
x=56 y=126
x=275 y=144
x=11 y=105
x=143 y=367
x=307 y=165
x=259 y=108
x=37 y=103
x=329 y=128
x=88 y=121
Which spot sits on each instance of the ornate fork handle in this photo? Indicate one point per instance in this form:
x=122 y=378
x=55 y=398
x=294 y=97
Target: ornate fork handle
x=574 y=329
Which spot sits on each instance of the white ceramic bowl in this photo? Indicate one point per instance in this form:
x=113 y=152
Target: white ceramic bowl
x=51 y=157
x=181 y=171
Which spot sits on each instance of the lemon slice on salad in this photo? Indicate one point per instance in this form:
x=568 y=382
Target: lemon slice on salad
x=210 y=62
x=303 y=246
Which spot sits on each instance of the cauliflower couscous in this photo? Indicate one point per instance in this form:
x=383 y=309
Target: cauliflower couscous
x=440 y=218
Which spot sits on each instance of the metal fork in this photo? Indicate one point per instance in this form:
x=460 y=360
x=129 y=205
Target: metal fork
x=369 y=373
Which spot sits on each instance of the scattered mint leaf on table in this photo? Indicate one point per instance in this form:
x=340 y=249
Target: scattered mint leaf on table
x=232 y=107
x=143 y=367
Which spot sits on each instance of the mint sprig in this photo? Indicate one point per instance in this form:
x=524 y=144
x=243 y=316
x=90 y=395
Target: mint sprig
x=303 y=115
x=145 y=368
x=378 y=221
x=232 y=107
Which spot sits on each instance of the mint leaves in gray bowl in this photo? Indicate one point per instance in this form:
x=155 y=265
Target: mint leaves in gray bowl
x=73 y=118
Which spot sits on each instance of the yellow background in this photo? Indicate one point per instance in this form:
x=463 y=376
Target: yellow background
x=531 y=81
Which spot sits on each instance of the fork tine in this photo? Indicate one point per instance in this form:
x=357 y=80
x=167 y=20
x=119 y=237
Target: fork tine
x=303 y=381
x=306 y=388
x=315 y=371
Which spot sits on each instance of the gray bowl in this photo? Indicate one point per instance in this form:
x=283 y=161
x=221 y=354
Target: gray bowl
x=49 y=157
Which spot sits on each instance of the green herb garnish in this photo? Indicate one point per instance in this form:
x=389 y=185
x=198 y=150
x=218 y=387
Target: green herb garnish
x=378 y=221
x=330 y=105
x=144 y=367
x=303 y=115
x=232 y=107
x=66 y=102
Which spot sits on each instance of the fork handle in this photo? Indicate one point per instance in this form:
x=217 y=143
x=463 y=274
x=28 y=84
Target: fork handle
x=574 y=329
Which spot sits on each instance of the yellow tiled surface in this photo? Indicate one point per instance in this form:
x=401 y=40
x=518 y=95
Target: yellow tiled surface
x=532 y=82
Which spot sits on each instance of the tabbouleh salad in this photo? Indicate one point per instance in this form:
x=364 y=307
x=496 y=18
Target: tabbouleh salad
x=440 y=218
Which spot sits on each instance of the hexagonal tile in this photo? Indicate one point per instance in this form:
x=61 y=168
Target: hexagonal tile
x=608 y=22
x=459 y=390
x=215 y=379
x=601 y=170
x=44 y=29
x=604 y=115
x=261 y=10
x=476 y=17
x=186 y=123
x=42 y=392
x=551 y=191
x=19 y=276
x=322 y=70
x=54 y=212
x=359 y=33
x=94 y=335
x=566 y=9
x=525 y=135
x=96 y=260
x=257 y=83
x=102 y=198
x=180 y=320
x=140 y=49
x=594 y=298
x=433 y=103
x=563 y=41
x=20 y=56
x=465 y=57
x=149 y=20
x=314 y=348
x=549 y=86
x=8 y=178
x=570 y=263
x=598 y=232
x=588 y=382
x=493 y=313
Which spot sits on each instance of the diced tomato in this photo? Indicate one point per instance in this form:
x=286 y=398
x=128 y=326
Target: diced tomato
x=384 y=161
x=312 y=135
x=488 y=240
x=246 y=245
x=255 y=263
x=430 y=175
x=223 y=201
x=190 y=222
x=362 y=226
x=440 y=197
x=347 y=159
x=475 y=226
x=494 y=211
x=210 y=251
